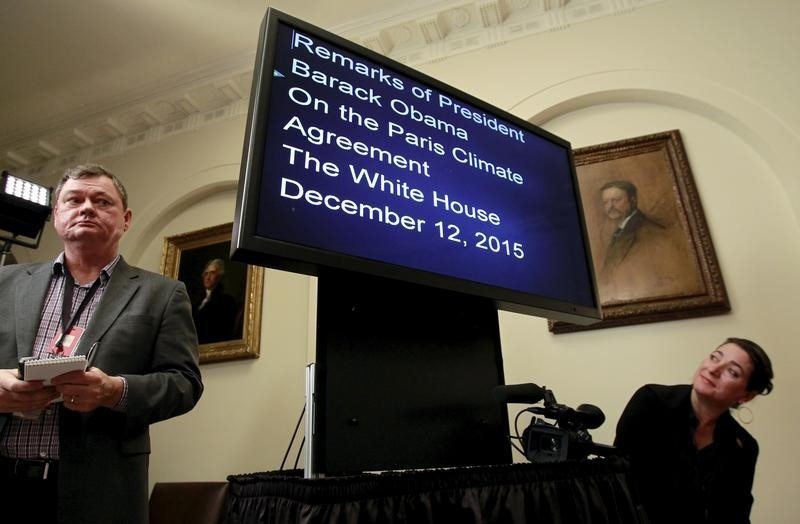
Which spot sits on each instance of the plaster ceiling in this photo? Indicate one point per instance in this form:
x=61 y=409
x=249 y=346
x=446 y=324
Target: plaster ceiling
x=84 y=79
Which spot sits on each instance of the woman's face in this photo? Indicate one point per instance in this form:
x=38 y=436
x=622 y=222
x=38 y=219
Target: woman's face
x=723 y=376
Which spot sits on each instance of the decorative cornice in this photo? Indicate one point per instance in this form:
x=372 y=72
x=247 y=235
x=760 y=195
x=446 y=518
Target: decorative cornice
x=191 y=100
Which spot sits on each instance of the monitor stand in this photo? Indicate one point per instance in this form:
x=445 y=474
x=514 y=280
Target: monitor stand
x=403 y=378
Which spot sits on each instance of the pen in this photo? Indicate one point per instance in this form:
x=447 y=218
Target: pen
x=91 y=354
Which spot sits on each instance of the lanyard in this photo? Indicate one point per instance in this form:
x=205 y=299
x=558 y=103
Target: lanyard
x=67 y=322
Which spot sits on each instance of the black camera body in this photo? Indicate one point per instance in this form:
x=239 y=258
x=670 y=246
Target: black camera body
x=567 y=437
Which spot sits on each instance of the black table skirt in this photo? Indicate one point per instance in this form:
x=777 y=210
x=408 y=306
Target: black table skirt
x=589 y=491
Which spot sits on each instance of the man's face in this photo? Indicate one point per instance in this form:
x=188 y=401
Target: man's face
x=211 y=277
x=89 y=210
x=617 y=204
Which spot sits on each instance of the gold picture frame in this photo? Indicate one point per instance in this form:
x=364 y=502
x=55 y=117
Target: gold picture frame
x=229 y=327
x=660 y=265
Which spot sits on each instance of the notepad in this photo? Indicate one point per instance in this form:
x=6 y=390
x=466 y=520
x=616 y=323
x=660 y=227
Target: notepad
x=47 y=368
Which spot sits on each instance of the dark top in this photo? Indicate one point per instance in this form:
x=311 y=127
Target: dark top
x=675 y=481
x=623 y=240
x=216 y=319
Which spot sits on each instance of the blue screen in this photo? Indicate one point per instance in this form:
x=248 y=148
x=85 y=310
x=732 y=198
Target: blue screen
x=368 y=160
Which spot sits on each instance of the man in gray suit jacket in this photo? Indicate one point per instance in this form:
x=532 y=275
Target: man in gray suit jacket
x=85 y=458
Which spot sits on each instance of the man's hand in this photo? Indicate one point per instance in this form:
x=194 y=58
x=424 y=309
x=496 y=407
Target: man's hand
x=86 y=391
x=20 y=396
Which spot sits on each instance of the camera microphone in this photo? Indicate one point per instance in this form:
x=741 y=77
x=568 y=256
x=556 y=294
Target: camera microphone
x=585 y=416
x=520 y=393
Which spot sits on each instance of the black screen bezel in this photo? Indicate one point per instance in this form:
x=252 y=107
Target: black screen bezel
x=247 y=246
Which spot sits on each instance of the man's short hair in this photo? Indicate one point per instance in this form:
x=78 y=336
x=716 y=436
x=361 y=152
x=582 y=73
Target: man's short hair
x=90 y=171
x=218 y=263
x=624 y=185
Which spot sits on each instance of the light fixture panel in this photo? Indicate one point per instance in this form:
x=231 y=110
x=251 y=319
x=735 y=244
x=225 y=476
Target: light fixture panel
x=25 y=190
x=24 y=208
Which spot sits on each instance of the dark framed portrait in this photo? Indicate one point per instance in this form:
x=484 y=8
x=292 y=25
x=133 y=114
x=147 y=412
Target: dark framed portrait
x=225 y=295
x=651 y=249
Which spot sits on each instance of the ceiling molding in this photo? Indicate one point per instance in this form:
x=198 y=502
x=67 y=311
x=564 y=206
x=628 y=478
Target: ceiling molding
x=189 y=100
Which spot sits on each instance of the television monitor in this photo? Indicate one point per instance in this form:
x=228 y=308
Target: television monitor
x=356 y=162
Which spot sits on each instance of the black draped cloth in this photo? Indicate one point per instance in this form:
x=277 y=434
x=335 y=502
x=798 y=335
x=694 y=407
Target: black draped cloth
x=587 y=491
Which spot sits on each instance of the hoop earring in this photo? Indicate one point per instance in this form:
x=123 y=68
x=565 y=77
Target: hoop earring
x=740 y=410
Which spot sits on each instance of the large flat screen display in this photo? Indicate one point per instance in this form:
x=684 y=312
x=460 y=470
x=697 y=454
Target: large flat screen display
x=354 y=161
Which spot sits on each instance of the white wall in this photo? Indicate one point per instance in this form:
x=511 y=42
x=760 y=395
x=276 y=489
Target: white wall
x=720 y=71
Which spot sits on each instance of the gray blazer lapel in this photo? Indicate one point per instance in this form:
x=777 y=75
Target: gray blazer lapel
x=30 y=300
x=121 y=288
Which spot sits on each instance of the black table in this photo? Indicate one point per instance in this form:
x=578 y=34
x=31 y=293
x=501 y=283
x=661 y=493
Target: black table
x=585 y=491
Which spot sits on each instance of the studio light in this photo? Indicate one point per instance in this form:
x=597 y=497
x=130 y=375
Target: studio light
x=24 y=208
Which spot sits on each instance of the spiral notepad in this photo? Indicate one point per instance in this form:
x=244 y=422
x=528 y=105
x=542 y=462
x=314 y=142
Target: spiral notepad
x=47 y=368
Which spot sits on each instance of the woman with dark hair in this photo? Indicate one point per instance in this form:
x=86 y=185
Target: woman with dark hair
x=690 y=460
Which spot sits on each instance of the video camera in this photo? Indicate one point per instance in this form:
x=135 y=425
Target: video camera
x=567 y=437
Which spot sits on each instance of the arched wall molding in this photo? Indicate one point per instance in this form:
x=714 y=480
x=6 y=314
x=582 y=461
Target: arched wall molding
x=770 y=137
x=194 y=189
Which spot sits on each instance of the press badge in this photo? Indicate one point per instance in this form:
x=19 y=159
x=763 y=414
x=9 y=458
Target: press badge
x=68 y=344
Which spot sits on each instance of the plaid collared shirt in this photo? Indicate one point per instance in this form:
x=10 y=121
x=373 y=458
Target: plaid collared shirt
x=38 y=438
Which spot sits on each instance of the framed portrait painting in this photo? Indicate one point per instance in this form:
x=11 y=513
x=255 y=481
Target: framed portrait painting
x=651 y=249
x=225 y=295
